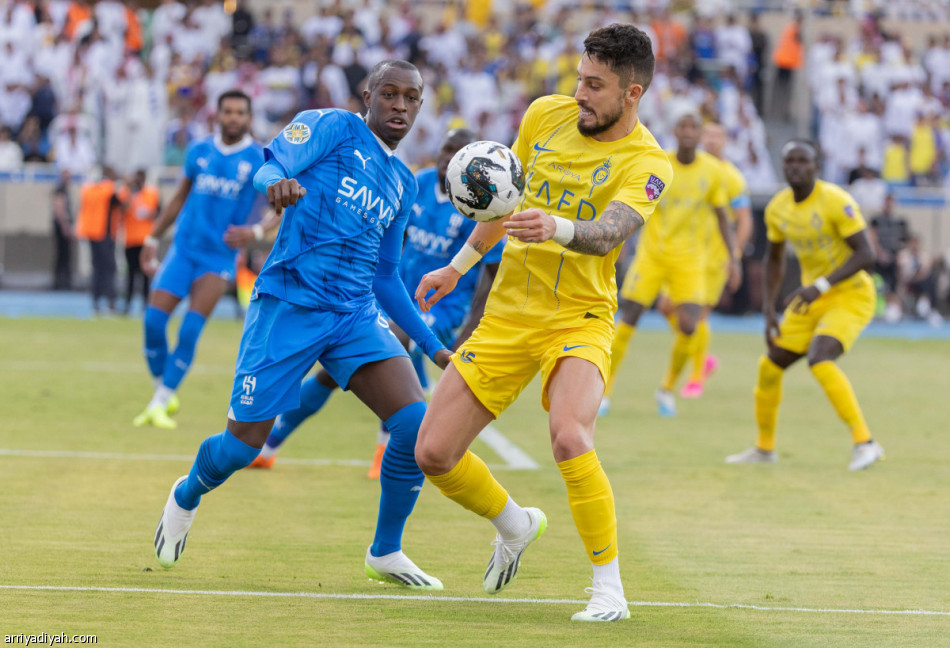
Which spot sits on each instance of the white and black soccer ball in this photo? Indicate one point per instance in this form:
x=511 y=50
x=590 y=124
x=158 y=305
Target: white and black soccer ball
x=485 y=181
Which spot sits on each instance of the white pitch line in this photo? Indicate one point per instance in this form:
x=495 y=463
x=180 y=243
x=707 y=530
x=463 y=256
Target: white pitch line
x=107 y=367
x=464 y=599
x=515 y=458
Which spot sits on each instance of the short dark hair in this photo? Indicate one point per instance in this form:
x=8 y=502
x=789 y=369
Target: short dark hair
x=234 y=94
x=372 y=80
x=801 y=142
x=626 y=50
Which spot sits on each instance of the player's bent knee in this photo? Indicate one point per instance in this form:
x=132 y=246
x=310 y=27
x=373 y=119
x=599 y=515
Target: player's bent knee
x=253 y=433
x=570 y=440
x=432 y=462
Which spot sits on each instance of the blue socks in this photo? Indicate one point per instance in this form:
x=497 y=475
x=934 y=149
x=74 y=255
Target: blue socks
x=313 y=396
x=400 y=478
x=156 y=344
x=218 y=457
x=178 y=363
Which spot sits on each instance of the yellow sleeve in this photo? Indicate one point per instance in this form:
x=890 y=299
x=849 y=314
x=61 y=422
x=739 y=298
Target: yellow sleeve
x=846 y=217
x=522 y=145
x=645 y=183
x=717 y=190
x=772 y=230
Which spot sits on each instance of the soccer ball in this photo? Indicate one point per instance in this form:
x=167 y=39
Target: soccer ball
x=485 y=181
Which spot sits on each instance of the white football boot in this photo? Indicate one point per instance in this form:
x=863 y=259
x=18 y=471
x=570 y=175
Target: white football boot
x=172 y=531
x=397 y=568
x=503 y=566
x=604 y=605
x=752 y=456
x=865 y=454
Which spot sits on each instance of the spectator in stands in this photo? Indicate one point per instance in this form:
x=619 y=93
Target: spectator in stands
x=889 y=235
x=11 y=155
x=867 y=187
x=74 y=152
x=917 y=280
x=788 y=57
x=33 y=141
x=242 y=22
x=63 y=235
x=99 y=211
x=896 y=168
x=760 y=45
x=142 y=207
x=923 y=151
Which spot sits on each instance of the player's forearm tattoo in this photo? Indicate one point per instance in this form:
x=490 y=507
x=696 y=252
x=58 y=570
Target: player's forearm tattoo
x=480 y=247
x=599 y=237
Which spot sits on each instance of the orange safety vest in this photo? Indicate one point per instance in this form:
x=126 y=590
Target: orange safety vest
x=140 y=216
x=75 y=16
x=788 y=52
x=133 y=34
x=95 y=199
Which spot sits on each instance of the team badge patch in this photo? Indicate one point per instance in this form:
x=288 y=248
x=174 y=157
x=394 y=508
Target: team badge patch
x=849 y=211
x=297 y=133
x=654 y=187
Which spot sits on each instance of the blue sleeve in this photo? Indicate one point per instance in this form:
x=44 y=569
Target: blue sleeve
x=267 y=175
x=306 y=140
x=191 y=161
x=390 y=291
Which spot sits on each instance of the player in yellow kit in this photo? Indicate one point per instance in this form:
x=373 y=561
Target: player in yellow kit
x=594 y=175
x=823 y=317
x=717 y=258
x=672 y=253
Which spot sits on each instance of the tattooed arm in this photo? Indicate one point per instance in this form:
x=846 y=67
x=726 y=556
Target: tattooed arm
x=597 y=237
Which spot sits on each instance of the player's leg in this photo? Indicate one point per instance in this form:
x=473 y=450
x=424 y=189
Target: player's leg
x=279 y=344
x=132 y=270
x=687 y=316
x=490 y=370
x=702 y=363
x=836 y=333
x=314 y=393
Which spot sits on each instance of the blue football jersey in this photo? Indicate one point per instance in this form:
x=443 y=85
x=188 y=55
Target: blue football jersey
x=435 y=233
x=329 y=243
x=222 y=194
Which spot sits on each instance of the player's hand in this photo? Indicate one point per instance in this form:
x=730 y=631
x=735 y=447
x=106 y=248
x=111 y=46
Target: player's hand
x=148 y=260
x=801 y=299
x=442 y=358
x=735 y=275
x=771 y=327
x=531 y=226
x=442 y=281
x=238 y=236
x=284 y=193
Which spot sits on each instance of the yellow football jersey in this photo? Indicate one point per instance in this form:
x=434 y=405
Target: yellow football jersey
x=737 y=195
x=817 y=228
x=678 y=227
x=575 y=177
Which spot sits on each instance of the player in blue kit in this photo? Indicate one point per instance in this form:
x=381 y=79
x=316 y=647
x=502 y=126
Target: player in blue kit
x=435 y=233
x=212 y=205
x=336 y=254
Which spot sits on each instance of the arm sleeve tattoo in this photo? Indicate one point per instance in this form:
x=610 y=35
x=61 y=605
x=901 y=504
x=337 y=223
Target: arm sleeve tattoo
x=599 y=237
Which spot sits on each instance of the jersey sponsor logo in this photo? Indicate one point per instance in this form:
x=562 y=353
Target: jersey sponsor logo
x=249 y=384
x=297 y=133
x=654 y=187
x=429 y=242
x=565 y=171
x=361 y=199
x=364 y=160
x=217 y=186
x=466 y=356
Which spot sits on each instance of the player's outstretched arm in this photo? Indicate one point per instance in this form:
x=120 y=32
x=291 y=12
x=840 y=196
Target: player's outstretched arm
x=774 y=275
x=280 y=190
x=735 y=267
x=149 y=257
x=597 y=237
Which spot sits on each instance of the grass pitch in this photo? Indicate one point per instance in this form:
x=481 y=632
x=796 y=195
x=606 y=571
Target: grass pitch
x=823 y=557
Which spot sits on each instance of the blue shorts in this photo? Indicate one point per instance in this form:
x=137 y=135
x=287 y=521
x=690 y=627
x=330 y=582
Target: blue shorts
x=282 y=342
x=178 y=271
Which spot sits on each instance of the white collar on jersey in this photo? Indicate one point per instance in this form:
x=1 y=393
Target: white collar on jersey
x=228 y=149
x=385 y=146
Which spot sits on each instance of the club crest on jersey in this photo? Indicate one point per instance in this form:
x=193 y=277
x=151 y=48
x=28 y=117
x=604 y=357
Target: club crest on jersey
x=601 y=173
x=654 y=187
x=849 y=211
x=244 y=170
x=297 y=133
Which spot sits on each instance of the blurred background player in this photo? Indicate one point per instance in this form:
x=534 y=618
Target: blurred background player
x=552 y=308
x=336 y=254
x=826 y=314
x=717 y=257
x=215 y=199
x=435 y=233
x=142 y=207
x=672 y=253
x=99 y=211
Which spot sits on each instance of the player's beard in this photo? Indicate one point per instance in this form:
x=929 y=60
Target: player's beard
x=601 y=125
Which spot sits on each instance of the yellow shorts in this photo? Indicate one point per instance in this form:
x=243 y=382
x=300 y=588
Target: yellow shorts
x=501 y=357
x=841 y=314
x=684 y=277
x=717 y=274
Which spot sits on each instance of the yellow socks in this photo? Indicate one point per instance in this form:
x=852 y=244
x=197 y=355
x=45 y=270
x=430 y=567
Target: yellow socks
x=768 y=395
x=592 y=506
x=700 y=347
x=840 y=393
x=682 y=346
x=471 y=484
x=617 y=351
